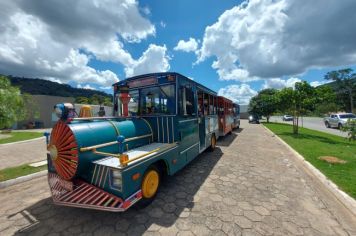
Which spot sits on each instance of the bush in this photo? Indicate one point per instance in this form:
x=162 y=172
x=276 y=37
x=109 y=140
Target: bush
x=350 y=128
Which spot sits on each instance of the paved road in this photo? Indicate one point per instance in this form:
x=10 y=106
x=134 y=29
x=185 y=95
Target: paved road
x=250 y=185
x=315 y=123
x=22 y=153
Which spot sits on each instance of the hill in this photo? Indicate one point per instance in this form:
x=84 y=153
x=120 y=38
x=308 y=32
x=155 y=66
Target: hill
x=46 y=87
x=334 y=85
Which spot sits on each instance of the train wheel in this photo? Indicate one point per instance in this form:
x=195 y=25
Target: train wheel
x=149 y=186
x=212 y=143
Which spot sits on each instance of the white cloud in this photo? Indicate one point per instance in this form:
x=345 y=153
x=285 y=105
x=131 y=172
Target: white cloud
x=87 y=86
x=275 y=38
x=187 y=46
x=57 y=39
x=146 y=10
x=163 y=24
x=278 y=83
x=154 y=59
x=318 y=83
x=238 y=93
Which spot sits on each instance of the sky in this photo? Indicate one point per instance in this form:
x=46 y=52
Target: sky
x=236 y=48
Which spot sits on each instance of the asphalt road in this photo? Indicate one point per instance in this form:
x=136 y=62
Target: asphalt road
x=250 y=185
x=15 y=154
x=315 y=123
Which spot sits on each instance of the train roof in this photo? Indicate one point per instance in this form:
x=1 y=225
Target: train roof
x=122 y=82
x=226 y=99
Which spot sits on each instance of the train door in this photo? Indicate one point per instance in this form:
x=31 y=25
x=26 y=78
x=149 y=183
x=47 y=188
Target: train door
x=203 y=109
x=188 y=122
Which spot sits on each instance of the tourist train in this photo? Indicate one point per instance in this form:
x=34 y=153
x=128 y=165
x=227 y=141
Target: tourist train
x=160 y=123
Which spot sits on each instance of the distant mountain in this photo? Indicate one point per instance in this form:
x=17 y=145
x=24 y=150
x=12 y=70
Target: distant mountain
x=46 y=87
x=334 y=85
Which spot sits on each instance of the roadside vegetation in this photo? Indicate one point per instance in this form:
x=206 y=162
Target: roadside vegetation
x=15 y=106
x=18 y=136
x=304 y=99
x=14 y=172
x=321 y=150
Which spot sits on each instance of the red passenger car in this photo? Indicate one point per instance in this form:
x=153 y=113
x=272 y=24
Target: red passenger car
x=226 y=119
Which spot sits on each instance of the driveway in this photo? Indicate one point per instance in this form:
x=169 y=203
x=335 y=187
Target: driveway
x=15 y=154
x=315 y=123
x=250 y=185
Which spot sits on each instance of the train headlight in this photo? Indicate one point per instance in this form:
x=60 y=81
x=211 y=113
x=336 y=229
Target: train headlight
x=64 y=110
x=116 y=179
x=59 y=110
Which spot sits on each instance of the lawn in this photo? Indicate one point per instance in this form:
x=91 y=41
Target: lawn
x=14 y=172
x=19 y=136
x=313 y=144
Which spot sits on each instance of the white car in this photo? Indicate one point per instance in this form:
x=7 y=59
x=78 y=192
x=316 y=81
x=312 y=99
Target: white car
x=287 y=118
x=338 y=120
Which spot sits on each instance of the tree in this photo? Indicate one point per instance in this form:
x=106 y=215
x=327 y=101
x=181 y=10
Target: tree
x=325 y=100
x=12 y=105
x=96 y=99
x=346 y=82
x=265 y=103
x=108 y=101
x=297 y=101
x=81 y=100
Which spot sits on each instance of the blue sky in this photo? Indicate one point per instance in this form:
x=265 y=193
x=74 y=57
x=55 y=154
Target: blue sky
x=176 y=20
x=233 y=47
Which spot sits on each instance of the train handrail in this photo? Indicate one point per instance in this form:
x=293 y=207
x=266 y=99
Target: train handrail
x=84 y=149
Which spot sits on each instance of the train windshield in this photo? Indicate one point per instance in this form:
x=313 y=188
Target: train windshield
x=157 y=100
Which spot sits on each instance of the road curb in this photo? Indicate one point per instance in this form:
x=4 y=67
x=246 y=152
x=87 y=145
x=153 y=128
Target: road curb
x=23 y=141
x=22 y=179
x=343 y=198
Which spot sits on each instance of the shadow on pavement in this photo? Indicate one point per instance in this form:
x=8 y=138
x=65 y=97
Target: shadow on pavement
x=176 y=197
x=229 y=138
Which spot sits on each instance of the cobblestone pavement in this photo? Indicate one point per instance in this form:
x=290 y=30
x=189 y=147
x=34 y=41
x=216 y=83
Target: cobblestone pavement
x=250 y=185
x=22 y=153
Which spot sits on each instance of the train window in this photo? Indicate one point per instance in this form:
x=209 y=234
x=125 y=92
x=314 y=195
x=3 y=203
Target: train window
x=215 y=105
x=133 y=104
x=157 y=100
x=206 y=104
x=187 y=105
x=211 y=105
x=200 y=103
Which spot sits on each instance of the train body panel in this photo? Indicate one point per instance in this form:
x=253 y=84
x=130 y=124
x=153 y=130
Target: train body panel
x=226 y=119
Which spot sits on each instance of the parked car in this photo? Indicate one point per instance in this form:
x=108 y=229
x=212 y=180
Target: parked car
x=253 y=118
x=338 y=120
x=287 y=118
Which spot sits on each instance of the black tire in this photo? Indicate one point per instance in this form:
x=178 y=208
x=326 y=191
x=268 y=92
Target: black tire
x=327 y=124
x=339 y=126
x=212 y=143
x=145 y=201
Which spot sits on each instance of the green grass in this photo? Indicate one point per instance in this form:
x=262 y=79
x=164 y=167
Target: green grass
x=20 y=136
x=312 y=144
x=14 y=172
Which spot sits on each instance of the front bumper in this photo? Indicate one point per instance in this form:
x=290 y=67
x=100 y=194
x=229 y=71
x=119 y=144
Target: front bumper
x=80 y=194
